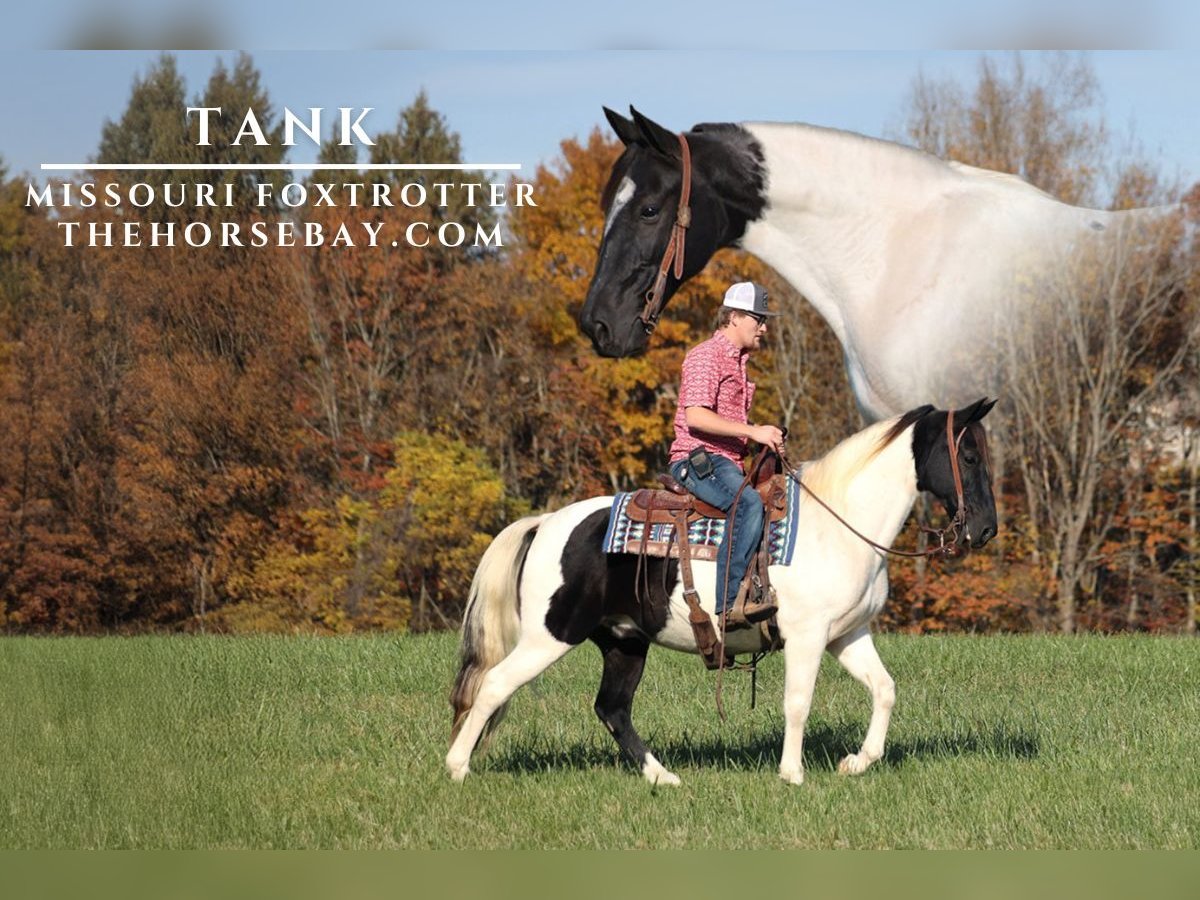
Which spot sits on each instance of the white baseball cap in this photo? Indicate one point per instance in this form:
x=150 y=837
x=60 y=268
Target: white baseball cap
x=748 y=297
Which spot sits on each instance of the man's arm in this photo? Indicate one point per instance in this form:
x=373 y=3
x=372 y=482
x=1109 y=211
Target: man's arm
x=701 y=418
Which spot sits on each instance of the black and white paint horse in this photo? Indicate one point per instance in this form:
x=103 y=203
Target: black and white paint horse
x=913 y=261
x=545 y=586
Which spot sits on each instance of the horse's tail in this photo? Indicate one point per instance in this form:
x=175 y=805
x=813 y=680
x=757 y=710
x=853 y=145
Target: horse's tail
x=491 y=623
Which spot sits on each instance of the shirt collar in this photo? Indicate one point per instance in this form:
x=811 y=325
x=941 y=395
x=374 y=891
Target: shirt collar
x=726 y=346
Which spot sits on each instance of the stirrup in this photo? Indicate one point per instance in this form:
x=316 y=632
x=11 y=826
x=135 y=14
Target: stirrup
x=748 y=610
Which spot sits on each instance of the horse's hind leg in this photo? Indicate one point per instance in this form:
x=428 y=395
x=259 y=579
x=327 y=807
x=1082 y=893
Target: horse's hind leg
x=856 y=652
x=624 y=660
x=533 y=654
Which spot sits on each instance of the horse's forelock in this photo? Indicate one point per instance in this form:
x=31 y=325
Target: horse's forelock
x=981 y=442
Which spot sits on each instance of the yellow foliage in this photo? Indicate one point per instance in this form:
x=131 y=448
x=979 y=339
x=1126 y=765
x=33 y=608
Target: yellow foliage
x=335 y=586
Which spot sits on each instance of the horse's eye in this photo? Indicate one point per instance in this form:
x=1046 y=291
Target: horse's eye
x=970 y=459
x=649 y=212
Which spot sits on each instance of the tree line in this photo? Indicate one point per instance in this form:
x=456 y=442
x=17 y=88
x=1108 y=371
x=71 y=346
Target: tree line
x=324 y=440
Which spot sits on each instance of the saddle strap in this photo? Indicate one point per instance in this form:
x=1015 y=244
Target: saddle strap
x=702 y=629
x=764 y=556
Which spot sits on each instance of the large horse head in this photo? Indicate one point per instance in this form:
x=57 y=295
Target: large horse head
x=935 y=449
x=640 y=204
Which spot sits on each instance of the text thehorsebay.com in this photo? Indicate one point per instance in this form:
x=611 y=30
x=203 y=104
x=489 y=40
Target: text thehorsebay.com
x=436 y=218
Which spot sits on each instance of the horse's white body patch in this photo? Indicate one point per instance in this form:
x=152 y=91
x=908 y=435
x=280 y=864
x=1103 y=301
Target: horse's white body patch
x=625 y=190
x=907 y=257
x=623 y=627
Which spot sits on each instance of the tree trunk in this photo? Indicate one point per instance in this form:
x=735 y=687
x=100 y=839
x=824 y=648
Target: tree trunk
x=1067 y=582
x=1131 y=612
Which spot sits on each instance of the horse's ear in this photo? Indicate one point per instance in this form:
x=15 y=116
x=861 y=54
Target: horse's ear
x=655 y=136
x=625 y=129
x=975 y=412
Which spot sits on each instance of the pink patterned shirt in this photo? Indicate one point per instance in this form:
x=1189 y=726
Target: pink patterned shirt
x=714 y=376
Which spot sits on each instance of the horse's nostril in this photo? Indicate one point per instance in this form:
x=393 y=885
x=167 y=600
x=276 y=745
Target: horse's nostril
x=987 y=535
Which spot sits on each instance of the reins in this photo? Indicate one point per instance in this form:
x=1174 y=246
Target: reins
x=951 y=531
x=675 y=245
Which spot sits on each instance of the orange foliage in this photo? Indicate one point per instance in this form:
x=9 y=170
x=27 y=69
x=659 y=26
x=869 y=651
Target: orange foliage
x=266 y=439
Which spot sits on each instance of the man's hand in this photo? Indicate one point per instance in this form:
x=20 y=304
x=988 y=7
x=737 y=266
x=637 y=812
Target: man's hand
x=767 y=435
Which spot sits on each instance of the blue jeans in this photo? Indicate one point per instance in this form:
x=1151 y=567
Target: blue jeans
x=743 y=533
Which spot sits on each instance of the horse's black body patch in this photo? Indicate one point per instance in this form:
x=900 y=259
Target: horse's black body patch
x=598 y=585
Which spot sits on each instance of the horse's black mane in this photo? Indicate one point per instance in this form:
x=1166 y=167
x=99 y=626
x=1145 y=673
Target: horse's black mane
x=903 y=423
x=739 y=175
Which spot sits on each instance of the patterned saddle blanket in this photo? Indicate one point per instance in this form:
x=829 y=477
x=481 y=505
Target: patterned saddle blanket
x=625 y=534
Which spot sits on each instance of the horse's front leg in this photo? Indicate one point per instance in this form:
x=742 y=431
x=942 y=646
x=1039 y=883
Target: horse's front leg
x=856 y=652
x=802 y=659
x=624 y=660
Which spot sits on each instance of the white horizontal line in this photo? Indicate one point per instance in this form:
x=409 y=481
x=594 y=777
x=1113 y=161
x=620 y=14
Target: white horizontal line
x=265 y=167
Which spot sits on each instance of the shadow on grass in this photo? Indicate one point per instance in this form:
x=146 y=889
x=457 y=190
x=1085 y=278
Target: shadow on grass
x=824 y=745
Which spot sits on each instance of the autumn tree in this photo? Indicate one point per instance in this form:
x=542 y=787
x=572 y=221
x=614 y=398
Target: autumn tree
x=365 y=307
x=1042 y=123
x=442 y=504
x=1114 y=343
x=402 y=558
x=1080 y=411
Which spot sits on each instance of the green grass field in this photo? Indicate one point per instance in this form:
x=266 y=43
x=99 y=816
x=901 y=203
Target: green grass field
x=174 y=742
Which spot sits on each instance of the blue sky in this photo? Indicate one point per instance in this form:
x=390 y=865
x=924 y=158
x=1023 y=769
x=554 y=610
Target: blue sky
x=515 y=106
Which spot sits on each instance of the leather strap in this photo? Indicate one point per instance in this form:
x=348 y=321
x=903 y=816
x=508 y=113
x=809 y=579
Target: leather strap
x=675 y=245
x=702 y=629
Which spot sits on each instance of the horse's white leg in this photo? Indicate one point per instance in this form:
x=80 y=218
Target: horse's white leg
x=856 y=652
x=532 y=656
x=802 y=659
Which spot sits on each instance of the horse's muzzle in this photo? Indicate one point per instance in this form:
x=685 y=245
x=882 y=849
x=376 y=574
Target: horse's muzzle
x=616 y=344
x=984 y=536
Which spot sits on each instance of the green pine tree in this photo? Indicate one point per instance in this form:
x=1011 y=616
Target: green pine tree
x=235 y=91
x=422 y=135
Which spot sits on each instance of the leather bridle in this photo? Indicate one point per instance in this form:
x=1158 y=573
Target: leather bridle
x=675 y=245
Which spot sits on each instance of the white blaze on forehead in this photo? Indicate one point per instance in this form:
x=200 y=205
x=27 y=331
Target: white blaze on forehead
x=624 y=192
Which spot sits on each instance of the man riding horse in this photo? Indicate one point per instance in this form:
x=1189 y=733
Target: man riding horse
x=711 y=433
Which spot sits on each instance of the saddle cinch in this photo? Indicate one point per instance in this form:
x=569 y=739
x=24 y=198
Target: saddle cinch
x=676 y=507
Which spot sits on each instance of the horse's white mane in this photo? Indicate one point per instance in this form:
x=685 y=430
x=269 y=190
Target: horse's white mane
x=831 y=475
x=897 y=157
x=843 y=142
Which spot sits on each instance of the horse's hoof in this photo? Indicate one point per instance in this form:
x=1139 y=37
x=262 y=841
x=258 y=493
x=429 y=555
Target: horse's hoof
x=796 y=777
x=654 y=773
x=458 y=773
x=854 y=764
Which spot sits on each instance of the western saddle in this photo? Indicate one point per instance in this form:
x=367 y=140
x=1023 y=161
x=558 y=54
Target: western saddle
x=674 y=506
